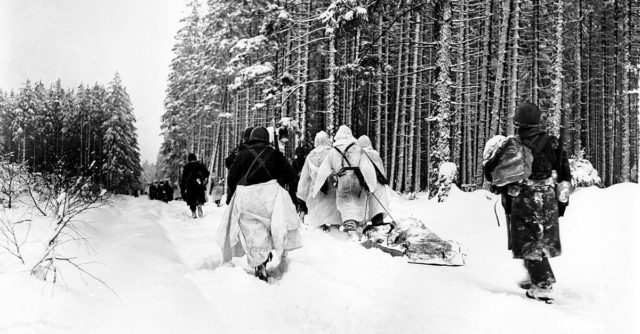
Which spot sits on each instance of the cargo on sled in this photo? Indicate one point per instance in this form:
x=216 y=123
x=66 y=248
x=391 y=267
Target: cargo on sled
x=410 y=238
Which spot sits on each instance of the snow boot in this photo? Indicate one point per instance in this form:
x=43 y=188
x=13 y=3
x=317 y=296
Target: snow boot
x=200 y=214
x=193 y=214
x=541 y=294
x=353 y=229
x=261 y=270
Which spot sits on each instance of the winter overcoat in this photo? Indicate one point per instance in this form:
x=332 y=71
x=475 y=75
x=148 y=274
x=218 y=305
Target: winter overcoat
x=322 y=208
x=153 y=192
x=351 y=193
x=533 y=205
x=228 y=161
x=192 y=183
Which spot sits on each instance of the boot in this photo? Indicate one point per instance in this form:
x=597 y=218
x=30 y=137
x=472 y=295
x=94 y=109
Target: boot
x=349 y=226
x=544 y=294
x=193 y=214
x=261 y=270
x=353 y=229
x=200 y=214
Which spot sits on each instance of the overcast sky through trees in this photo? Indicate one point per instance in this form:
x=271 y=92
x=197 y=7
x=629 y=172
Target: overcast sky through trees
x=83 y=41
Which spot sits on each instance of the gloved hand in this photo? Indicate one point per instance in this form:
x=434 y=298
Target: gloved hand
x=561 y=208
x=325 y=187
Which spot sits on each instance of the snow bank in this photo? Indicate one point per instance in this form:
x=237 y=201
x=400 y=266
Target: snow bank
x=168 y=277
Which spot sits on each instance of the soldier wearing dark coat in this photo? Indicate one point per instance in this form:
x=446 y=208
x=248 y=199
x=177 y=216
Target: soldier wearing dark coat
x=167 y=191
x=152 y=191
x=301 y=153
x=228 y=161
x=275 y=165
x=534 y=205
x=192 y=184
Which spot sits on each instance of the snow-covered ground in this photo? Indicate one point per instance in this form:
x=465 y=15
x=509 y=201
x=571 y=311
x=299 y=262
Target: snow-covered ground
x=166 y=275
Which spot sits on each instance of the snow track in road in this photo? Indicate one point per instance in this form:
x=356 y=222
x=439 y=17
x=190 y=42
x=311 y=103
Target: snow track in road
x=167 y=273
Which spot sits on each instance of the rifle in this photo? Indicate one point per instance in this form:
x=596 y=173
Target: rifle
x=562 y=135
x=560 y=187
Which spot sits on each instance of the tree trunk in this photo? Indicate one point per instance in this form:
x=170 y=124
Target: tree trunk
x=394 y=140
x=554 y=117
x=514 y=67
x=497 y=90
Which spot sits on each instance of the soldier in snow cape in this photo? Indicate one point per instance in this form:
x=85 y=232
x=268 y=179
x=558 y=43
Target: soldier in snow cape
x=217 y=191
x=322 y=209
x=378 y=202
x=192 y=184
x=261 y=217
x=534 y=187
x=354 y=175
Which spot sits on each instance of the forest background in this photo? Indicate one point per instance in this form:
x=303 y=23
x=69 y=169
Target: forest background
x=428 y=81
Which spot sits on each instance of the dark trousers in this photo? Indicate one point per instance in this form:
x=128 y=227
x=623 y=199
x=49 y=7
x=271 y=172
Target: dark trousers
x=193 y=207
x=540 y=273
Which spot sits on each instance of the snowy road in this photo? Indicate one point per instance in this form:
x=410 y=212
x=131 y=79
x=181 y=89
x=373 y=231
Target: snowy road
x=166 y=272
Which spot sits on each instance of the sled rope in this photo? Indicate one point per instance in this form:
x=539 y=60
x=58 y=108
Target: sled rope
x=393 y=221
x=495 y=210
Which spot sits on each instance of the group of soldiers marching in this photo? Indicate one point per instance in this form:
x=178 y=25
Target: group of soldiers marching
x=160 y=190
x=342 y=184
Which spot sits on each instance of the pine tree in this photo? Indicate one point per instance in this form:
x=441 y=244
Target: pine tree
x=122 y=164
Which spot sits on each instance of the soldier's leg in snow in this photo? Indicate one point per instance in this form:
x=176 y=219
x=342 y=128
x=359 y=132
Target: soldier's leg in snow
x=540 y=273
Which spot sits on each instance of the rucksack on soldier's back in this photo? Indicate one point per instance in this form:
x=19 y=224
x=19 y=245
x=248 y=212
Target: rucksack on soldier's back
x=507 y=160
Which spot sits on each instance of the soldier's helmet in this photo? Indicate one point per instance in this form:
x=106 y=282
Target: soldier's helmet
x=527 y=114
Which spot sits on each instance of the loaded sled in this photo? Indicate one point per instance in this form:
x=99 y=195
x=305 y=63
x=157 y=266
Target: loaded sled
x=410 y=238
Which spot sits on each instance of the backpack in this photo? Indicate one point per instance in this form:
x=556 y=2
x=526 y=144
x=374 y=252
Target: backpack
x=513 y=161
x=355 y=170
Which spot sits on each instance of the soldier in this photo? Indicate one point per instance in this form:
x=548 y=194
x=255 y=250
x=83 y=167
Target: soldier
x=534 y=203
x=228 y=161
x=322 y=211
x=192 y=187
x=152 y=191
x=354 y=176
x=167 y=191
x=378 y=201
x=261 y=217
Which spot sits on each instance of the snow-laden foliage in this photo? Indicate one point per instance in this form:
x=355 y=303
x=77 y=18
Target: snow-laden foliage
x=11 y=182
x=447 y=174
x=122 y=165
x=344 y=14
x=251 y=73
x=583 y=174
x=79 y=130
